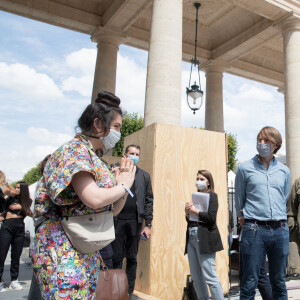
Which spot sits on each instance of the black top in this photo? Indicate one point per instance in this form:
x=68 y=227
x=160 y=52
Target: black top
x=129 y=211
x=2 y=202
x=10 y=201
x=144 y=196
x=208 y=232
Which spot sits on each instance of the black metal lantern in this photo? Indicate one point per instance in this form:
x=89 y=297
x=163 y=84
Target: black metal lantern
x=194 y=94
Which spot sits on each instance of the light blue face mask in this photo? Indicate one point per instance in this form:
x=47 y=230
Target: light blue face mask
x=111 y=139
x=264 y=150
x=134 y=158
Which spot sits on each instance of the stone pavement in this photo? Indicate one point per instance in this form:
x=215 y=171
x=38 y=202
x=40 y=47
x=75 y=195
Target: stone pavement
x=26 y=275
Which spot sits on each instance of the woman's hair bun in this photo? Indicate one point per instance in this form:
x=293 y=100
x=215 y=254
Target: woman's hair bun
x=108 y=99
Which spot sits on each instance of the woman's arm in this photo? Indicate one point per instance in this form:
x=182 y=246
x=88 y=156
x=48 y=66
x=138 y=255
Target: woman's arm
x=15 y=206
x=210 y=216
x=92 y=196
x=8 y=190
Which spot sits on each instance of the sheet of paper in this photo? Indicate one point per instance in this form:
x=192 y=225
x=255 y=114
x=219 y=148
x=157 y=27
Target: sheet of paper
x=201 y=203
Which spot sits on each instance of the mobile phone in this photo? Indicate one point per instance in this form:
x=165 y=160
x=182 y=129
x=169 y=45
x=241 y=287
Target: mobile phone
x=144 y=237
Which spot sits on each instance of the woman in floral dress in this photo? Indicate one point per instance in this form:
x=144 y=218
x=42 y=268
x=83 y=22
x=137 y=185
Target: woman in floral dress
x=76 y=182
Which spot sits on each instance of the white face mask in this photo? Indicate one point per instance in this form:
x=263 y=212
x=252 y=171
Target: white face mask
x=200 y=184
x=111 y=139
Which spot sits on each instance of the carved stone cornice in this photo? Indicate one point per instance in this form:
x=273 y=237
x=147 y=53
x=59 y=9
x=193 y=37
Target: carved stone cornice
x=280 y=90
x=291 y=24
x=214 y=66
x=102 y=34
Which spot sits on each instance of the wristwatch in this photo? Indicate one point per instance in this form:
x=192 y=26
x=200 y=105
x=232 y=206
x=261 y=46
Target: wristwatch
x=148 y=225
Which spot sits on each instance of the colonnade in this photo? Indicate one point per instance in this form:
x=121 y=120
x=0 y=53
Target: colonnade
x=291 y=53
x=163 y=87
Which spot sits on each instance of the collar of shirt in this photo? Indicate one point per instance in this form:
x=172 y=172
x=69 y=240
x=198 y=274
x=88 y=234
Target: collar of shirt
x=257 y=160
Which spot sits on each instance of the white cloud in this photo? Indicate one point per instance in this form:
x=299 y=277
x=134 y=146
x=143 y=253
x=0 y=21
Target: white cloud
x=82 y=85
x=22 y=79
x=131 y=84
x=43 y=135
x=83 y=60
x=20 y=151
x=82 y=63
x=39 y=152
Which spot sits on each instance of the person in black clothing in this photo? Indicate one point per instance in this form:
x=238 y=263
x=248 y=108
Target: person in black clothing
x=203 y=241
x=230 y=228
x=2 y=205
x=12 y=232
x=128 y=227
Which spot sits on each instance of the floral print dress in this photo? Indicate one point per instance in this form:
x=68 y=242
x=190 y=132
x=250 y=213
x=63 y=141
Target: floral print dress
x=61 y=271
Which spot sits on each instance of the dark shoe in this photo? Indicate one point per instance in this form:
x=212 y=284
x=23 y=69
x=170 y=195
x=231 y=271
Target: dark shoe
x=287 y=277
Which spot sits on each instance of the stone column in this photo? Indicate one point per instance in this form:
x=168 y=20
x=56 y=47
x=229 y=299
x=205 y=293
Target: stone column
x=214 y=119
x=106 y=63
x=163 y=87
x=291 y=50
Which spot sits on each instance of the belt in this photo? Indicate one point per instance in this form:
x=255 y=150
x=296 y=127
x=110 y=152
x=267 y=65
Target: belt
x=274 y=224
x=193 y=224
x=197 y=224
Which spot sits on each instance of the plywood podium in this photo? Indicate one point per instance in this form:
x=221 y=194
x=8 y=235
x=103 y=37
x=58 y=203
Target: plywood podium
x=172 y=155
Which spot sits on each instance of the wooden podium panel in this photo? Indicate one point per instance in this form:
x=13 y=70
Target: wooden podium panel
x=172 y=155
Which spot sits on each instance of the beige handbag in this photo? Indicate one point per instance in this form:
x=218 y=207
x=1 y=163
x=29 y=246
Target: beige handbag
x=89 y=233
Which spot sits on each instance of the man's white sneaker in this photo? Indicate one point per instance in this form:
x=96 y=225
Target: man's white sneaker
x=15 y=285
x=2 y=287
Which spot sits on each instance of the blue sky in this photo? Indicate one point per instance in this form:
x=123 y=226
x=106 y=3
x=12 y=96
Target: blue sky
x=46 y=78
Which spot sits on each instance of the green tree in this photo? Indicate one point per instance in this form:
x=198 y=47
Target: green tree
x=33 y=175
x=130 y=124
x=232 y=151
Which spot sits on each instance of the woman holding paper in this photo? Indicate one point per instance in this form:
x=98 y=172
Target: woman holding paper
x=203 y=239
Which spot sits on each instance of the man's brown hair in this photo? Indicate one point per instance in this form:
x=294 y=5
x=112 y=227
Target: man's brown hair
x=133 y=146
x=273 y=135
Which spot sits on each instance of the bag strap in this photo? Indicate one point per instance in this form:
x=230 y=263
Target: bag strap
x=103 y=264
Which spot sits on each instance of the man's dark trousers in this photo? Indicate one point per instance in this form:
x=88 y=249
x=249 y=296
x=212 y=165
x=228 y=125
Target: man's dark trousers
x=257 y=241
x=126 y=245
x=263 y=284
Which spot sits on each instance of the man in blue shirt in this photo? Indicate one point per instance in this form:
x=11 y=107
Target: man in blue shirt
x=261 y=191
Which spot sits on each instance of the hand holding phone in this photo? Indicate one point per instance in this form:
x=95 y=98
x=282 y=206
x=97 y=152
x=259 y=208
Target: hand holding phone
x=144 y=237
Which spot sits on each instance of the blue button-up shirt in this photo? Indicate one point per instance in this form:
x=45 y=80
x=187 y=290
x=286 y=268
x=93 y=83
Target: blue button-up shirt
x=262 y=194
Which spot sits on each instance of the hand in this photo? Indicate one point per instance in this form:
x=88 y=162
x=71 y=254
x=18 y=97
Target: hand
x=126 y=173
x=147 y=232
x=241 y=221
x=188 y=205
x=15 y=206
x=8 y=191
x=194 y=210
x=291 y=222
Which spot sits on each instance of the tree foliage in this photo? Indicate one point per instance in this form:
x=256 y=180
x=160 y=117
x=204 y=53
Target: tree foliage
x=130 y=124
x=33 y=175
x=232 y=151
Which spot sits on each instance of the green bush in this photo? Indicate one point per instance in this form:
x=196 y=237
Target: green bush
x=130 y=124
